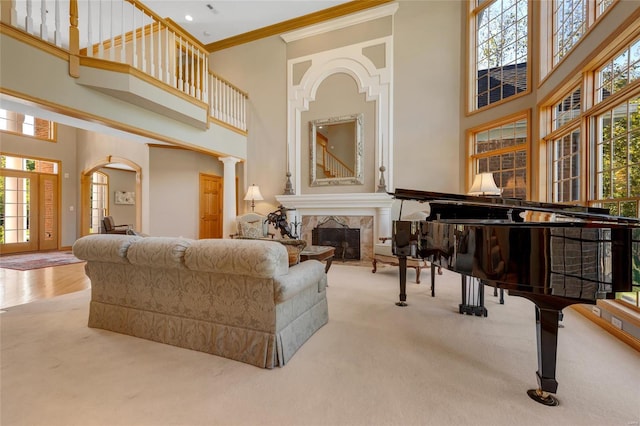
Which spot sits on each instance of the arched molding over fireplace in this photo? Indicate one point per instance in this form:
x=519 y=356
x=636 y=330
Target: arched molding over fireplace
x=373 y=75
x=370 y=64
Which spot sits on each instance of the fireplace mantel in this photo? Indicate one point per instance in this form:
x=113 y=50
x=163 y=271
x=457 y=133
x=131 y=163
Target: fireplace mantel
x=352 y=201
x=376 y=204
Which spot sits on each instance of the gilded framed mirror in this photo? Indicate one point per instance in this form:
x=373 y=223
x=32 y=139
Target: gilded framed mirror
x=335 y=147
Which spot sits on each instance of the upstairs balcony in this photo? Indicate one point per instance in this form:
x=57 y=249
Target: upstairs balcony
x=122 y=49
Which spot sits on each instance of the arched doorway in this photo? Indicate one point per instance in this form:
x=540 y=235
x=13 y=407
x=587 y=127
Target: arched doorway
x=86 y=221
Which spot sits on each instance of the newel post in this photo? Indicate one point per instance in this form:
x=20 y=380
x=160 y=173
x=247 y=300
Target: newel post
x=74 y=40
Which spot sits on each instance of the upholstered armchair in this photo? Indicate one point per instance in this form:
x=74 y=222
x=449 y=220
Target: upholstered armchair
x=252 y=226
x=109 y=226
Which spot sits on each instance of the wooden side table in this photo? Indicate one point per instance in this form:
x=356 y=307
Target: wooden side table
x=318 y=253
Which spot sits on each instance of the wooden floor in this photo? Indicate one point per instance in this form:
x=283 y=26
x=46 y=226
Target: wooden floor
x=19 y=287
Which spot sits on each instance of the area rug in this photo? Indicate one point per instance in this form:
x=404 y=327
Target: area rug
x=25 y=262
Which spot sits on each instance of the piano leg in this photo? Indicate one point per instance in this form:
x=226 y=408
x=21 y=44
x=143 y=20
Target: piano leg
x=547 y=337
x=433 y=279
x=402 y=266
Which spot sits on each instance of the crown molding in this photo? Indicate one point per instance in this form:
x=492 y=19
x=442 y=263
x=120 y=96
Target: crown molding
x=346 y=21
x=296 y=23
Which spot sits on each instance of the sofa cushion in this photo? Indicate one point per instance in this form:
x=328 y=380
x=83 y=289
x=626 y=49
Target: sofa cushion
x=104 y=247
x=161 y=252
x=256 y=258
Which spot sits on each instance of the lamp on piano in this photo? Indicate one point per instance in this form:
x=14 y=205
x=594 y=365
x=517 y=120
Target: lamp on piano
x=484 y=184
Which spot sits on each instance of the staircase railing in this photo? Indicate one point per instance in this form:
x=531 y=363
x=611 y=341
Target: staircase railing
x=331 y=165
x=127 y=32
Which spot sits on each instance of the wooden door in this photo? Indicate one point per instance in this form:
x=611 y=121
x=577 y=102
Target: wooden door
x=210 y=206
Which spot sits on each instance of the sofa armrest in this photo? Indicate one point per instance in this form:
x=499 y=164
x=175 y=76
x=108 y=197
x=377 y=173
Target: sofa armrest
x=300 y=277
x=104 y=247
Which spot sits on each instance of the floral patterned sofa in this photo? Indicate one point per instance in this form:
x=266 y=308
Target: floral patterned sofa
x=234 y=298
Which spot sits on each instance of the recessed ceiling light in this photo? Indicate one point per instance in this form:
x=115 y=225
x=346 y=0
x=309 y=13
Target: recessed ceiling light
x=188 y=18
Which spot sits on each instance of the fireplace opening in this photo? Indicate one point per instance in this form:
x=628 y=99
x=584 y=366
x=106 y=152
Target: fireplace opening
x=345 y=240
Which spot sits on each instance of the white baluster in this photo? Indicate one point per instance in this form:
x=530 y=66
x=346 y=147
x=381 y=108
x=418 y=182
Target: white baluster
x=112 y=49
x=167 y=57
x=205 y=79
x=134 y=39
x=152 y=59
x=143 y=57
x=220 y=100
x=12 y=14
x=100 y=31
x=43 y=20
x=123 y=53
x=198 y=64
x=214 y=95
x=180 y=80
x=237 y=114
x=192 y=69
x=89 y=31
x=28 y=20
x=57 y=35
x=234 y=104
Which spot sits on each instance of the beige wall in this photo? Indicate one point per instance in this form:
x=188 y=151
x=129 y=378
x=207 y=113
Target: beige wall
x=174 y=190
x=426 y=97
x=259 y=68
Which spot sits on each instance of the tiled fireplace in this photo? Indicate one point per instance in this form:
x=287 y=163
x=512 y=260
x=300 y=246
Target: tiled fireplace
x=369 y=212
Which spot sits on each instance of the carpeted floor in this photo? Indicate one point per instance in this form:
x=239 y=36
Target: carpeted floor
x=27 y=261
x=373 y=364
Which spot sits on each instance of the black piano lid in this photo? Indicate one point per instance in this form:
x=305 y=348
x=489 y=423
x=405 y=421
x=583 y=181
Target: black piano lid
x=495 y=202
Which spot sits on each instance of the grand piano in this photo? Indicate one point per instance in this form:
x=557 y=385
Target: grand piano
x=554 y=255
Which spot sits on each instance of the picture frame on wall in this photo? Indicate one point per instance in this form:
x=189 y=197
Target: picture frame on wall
x=125 y=197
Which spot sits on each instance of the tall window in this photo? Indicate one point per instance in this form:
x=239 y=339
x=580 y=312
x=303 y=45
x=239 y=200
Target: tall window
x=570 y=23
x=618 y=158
x=619 y=72
x=601 y=6
x=26 y=125
x=99 y=200
x=565 y=182
x=502 y=150
x=501 y=49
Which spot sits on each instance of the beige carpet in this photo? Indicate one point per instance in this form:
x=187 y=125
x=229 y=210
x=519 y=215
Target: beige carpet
x=372 y=364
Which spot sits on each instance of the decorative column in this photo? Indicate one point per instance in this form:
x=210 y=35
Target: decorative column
x=229 y=195
x=383 y=223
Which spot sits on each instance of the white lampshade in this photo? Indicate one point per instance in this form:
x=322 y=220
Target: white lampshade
x=483 y=184
x=253 y=193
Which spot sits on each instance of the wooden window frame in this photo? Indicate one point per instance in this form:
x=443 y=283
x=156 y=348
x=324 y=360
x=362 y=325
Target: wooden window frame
x=473 y=157
x=476 y=8
x=52 y=127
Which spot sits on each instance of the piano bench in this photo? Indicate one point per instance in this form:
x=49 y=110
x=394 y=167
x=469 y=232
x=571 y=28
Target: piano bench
x=416 y=264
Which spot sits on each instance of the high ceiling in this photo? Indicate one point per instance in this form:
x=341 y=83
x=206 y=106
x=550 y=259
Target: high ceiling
x=216 y=20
